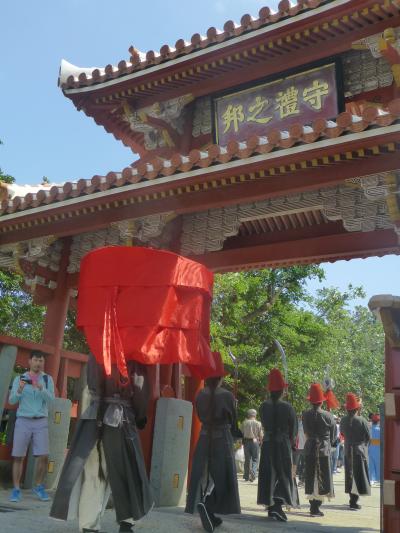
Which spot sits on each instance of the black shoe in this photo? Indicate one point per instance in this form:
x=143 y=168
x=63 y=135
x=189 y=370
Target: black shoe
x=316 y=512
x=277 y=514
x=125 y=527
x=216 y=520
x=355 y=506
x=204 y=517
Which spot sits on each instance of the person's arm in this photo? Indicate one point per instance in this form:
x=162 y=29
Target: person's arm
x=307 y=425
x=260 y=414
x=293 y=426
x=367 y=432
x=16 y=391
x=141 y=392
x=260 y=432
x=47 y=392
x=235 y=431
x=333 y=431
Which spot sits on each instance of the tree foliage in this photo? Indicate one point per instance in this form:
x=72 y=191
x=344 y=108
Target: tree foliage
x=20 y=317
x=322 y=335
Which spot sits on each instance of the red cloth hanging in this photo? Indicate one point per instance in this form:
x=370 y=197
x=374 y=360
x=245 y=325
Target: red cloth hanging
x=208 y=371
x=147 y=305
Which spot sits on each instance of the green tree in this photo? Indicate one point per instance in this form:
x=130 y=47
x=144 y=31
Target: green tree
x=321 y=335
x=249 y=312
x=19 y=317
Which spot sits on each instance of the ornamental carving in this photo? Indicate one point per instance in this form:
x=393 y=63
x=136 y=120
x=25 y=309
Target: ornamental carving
x=202 y=118
x=361 y=204
x=45 y=251
x=157 y=121
x=122 y=233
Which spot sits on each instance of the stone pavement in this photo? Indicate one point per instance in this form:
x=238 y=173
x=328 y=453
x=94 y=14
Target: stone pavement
x=32 y=516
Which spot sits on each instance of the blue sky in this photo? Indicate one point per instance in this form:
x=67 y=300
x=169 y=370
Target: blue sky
x=42 y=132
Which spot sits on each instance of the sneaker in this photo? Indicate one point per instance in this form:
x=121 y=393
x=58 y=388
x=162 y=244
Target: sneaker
x=15 y=496
x=41 y=493
x=204 y=517
x=338 y=470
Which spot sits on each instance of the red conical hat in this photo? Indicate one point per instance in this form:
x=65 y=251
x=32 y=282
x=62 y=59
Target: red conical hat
x=276 y=381
x=352 y=402
x=331 y=400
x=316 y=394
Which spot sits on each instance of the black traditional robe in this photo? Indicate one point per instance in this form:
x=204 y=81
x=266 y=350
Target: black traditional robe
x=275 y=478
x=116 y=445
x=320 y=430
x=356 y=438
x=214 y=454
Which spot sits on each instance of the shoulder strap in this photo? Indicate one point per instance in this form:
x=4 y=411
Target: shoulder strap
x=46 y=380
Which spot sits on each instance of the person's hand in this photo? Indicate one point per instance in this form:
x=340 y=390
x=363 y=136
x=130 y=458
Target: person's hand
x=21 y=386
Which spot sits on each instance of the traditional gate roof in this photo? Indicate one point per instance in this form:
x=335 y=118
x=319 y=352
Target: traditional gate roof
x=300 y=142
x=302 y=32
x=263 y=202
x=363 y=13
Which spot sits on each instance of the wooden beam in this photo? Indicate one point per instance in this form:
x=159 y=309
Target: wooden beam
x=271 y=237
x=313 y=250
x=301 y=180
x=46 y=348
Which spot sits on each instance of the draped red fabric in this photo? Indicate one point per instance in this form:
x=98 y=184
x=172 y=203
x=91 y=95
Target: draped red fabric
x=148 y=305
x=217 y=368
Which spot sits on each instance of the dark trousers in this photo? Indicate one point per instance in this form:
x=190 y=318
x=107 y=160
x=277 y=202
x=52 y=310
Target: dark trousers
x=251 y=452
x=298 y=460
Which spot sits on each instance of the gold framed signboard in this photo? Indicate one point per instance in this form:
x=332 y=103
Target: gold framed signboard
x=299 y=98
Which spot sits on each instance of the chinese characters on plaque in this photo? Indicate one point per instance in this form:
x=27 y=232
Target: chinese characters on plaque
x=276 y=105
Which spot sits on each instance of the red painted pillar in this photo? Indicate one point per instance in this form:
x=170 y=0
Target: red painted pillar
x=166 y=389
x=56 y=315
x=193 y=386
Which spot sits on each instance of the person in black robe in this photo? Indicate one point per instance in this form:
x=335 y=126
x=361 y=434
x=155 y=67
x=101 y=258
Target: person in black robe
x=275 y=478
x=106 y=454
x=213 y=486
x=356 y=439
x=320 y=430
